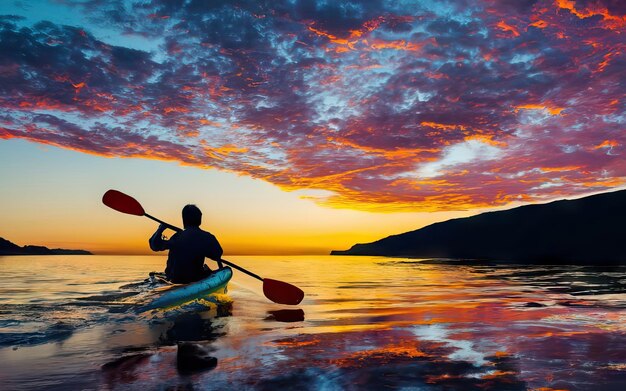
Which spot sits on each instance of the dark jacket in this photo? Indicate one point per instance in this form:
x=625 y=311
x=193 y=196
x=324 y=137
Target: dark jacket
x=188 y=249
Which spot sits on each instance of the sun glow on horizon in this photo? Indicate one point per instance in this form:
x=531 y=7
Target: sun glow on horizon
x=52 y=197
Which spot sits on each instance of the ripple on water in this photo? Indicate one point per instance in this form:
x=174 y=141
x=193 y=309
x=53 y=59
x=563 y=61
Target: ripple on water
x=366 y=323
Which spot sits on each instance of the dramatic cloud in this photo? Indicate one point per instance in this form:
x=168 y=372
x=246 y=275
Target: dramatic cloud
x=387 y=105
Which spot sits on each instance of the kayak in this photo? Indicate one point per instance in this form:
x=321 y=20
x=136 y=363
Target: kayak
x=179 y=294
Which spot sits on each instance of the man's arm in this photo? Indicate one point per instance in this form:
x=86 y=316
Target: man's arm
x=215 y=251
x=157 y=243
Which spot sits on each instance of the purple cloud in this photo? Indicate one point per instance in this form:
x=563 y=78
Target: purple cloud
x=404 y=106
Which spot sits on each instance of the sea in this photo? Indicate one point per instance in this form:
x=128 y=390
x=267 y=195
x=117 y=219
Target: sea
x=366 y=323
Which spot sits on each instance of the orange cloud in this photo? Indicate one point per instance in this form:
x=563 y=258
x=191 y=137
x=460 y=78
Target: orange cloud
x=487 y=139
x=204 y=121
x=542 y=24
x=397 y=45
x=506 y=27
x=78 y=86
x=607 y=59
x=359 y=37
x=551 y=109
x=607 y=144
x=391 y=153
x=560 y=169
x=168 y=110
x=610 y=21
x=442 y=126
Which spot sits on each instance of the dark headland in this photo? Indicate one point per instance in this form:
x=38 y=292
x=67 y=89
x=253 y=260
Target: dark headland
x=589 y=230
x=9 y=248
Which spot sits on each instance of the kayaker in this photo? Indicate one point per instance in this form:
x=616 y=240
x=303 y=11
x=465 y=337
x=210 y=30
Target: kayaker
x=188 y=248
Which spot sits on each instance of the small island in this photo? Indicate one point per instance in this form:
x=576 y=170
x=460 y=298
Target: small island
x=10 y=248
x=588 y=230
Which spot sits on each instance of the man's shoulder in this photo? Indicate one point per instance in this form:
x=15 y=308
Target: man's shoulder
x=200 y=231
x=207 y=233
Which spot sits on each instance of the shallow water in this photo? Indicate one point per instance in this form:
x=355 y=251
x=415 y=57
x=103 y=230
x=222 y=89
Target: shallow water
x=69 y=322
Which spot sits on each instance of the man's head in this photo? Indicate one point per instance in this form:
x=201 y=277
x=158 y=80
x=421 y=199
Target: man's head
x=192 y=217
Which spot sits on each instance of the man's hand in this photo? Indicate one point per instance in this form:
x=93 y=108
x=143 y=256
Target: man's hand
x=162 y=227
x=157 y=241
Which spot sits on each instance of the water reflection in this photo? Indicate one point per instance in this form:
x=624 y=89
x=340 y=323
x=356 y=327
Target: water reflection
x=286 y=315
x=182 y=341
x=370 y=323
x=428 y=326
x=391 y=359
x=192 y=327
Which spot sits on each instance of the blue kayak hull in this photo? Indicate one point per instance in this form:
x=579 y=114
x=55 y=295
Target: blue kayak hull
x=180 y=294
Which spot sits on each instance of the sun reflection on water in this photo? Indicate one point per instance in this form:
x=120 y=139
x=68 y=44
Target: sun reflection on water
x=365 y=323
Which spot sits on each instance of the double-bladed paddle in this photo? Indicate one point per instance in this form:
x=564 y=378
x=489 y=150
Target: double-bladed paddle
x=277 y=291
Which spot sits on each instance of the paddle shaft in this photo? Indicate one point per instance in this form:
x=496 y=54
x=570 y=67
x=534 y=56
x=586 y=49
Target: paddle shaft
x=174 y=228
x=242 y=270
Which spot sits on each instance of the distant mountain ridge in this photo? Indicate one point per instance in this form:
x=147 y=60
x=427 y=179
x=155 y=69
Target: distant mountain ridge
x=10 y=248
x=586 y=230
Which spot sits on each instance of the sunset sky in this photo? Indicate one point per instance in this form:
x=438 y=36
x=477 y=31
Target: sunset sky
x=301 y=126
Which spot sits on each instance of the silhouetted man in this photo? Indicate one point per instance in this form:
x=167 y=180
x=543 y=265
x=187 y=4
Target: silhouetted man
x=188 y=248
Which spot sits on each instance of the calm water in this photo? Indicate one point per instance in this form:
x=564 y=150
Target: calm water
x=68 y=322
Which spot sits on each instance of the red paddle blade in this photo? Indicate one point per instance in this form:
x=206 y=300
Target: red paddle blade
x=282 y=293
x=122 y=203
